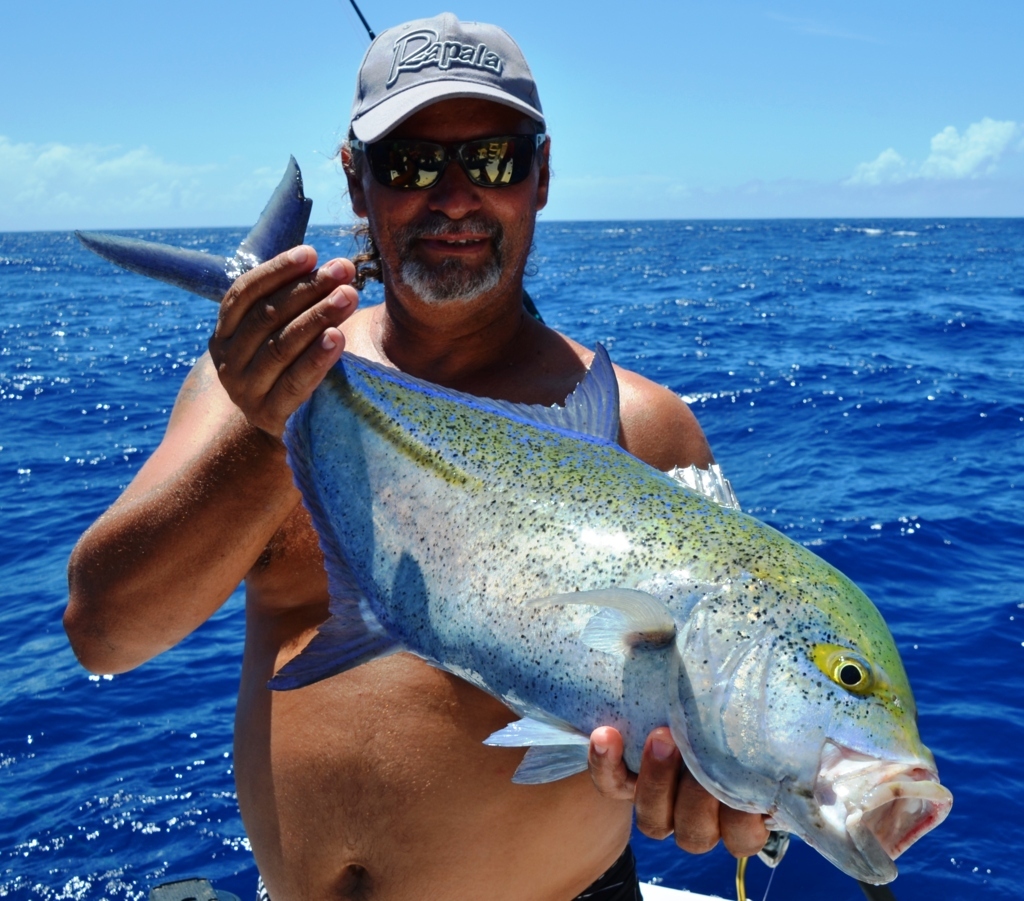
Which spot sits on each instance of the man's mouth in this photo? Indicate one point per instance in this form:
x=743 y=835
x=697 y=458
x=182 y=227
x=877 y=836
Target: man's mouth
x=455 y=242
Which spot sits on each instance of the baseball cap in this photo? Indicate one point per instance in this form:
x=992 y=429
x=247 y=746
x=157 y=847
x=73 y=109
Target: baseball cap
x=413 y=65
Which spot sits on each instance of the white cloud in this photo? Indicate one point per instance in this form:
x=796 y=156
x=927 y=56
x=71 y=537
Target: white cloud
x=44 y=181
x=969 y=155
x=57 y=186
x=972 y=154
x=888 y=167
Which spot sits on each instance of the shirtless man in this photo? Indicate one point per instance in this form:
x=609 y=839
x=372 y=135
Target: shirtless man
x=374 y=783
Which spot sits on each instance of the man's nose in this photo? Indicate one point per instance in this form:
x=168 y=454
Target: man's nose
x=454 y=194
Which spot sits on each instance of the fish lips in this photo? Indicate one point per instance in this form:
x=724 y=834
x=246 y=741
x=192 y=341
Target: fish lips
x=876 y=809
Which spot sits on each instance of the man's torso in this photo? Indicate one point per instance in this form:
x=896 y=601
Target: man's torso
x=375 y=783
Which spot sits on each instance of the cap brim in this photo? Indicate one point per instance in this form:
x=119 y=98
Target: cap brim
x=377 y=122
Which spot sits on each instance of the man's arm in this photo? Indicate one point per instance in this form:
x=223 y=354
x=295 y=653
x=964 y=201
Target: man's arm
x=660 y=429
x=197 y=515
x=181 y=537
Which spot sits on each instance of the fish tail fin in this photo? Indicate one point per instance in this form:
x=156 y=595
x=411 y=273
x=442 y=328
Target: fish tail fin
x=204 y=274
x=281 y=225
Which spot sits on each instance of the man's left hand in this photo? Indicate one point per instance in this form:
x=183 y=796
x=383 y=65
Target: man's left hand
x=668 y=799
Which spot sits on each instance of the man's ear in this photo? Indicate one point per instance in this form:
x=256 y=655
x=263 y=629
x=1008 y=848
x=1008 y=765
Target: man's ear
x=355 y=185
x=544 y=177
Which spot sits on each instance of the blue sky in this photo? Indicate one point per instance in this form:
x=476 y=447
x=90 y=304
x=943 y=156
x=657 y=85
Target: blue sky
x=119 y=114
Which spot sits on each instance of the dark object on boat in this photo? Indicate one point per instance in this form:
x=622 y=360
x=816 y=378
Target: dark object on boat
x=190 y=890
x=877 y=892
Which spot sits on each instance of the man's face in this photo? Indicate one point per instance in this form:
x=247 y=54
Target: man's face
x=455 y=241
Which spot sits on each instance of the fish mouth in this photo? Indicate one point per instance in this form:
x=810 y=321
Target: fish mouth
x=881 y=806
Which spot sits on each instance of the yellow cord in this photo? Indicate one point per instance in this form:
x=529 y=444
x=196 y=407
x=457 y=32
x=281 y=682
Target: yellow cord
x=741 y=879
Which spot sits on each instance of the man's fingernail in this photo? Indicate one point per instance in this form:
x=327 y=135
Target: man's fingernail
x=327 y=342
x=663 y=750
x=335 y=269
x=299 y=254
x=600 y=748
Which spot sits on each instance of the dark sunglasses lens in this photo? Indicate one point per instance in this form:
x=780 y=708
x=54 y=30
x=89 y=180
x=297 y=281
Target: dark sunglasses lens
x=495 y=162
x=406 y=164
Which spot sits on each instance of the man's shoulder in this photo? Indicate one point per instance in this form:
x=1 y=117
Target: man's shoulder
x=657 y=425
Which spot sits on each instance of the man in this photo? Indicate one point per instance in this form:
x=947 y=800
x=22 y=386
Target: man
x=374 y=783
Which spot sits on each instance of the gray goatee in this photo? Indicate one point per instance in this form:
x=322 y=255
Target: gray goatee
x=451 y=281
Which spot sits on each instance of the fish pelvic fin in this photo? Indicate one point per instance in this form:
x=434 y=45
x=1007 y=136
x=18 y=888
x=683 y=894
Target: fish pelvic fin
x=340 y=644
x=556 y=749
x=281 y=225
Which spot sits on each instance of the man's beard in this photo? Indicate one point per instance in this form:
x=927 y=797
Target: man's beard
x=450 y=281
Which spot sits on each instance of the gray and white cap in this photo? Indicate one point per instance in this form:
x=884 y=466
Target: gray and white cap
x=411 y=66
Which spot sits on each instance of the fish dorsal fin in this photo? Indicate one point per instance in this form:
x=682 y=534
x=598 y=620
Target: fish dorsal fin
x=592 y=409
x=627 y=620
x=282 y=224
x=710 y=482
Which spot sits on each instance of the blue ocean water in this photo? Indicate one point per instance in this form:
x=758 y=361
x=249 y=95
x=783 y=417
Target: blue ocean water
x=859 y=382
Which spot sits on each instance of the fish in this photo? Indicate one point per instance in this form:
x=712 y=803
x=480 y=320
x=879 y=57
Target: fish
x=522 y=549
x=281 y=226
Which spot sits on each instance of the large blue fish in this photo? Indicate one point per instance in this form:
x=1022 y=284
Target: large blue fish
x=521 y=548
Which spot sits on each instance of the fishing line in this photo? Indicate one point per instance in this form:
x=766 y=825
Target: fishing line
x=768 y=887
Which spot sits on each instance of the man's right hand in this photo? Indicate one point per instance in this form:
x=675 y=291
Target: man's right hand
x=277 y=333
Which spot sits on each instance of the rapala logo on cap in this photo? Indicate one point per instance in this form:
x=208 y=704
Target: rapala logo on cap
x=420 y=49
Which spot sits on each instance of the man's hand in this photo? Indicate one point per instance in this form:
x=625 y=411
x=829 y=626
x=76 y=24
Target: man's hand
x=277 y=333
x=667 y=798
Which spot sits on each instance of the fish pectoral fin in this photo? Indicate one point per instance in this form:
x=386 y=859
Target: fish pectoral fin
x=342 y=643
x=628 y=620
x=557 y=750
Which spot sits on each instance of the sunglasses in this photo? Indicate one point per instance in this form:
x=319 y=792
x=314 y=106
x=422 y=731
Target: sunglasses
x=410 y=165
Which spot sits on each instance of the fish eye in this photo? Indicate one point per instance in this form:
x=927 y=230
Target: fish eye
x=850 y=674
x=844 y=668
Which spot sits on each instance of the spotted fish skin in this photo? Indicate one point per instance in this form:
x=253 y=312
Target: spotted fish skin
x=464 y=530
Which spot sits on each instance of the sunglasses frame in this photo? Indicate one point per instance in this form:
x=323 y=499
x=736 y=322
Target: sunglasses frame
x=451 y=152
